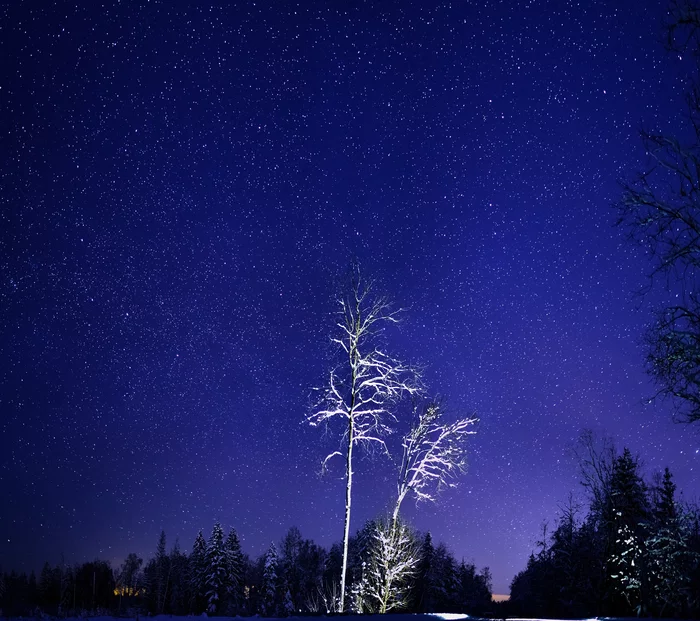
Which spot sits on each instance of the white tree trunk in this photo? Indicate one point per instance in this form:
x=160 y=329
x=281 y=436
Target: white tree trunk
x=346 y=532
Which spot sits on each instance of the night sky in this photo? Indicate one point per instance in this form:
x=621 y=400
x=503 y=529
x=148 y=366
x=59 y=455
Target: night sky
x=181 y=185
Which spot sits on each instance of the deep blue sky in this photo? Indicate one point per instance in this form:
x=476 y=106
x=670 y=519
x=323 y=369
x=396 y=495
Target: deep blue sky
x=181 y=184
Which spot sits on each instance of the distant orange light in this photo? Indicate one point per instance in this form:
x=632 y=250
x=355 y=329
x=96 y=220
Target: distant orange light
x=129 y=591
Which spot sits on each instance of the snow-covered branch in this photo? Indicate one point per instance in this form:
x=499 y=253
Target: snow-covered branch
x=434 y=452
x=393 y=561
x=363 y=388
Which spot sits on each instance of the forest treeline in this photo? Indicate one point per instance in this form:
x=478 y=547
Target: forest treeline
x=634 y=550
x=217 y=577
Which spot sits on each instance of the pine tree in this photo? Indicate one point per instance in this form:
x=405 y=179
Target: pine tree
x=270 y=582
x=424 y=586
x=290 y=552
x=234 y=571
x=150 y=583
x=216 y=571
x=162 y=575
x=288 y=604
x=197 y=573
x=129 y=580
x=627 y=569
x=330 y=591
x=359 y=592
x=49 y=589
x=32 y=590
x=486 y=580
x=628 y=492
x=358 y=551
x=627 y=513
x=670 y=556
x=66 y=579
x=178 y=595
x=442 y=578
x=571 y=564
x=665 y=510
x=474 y=593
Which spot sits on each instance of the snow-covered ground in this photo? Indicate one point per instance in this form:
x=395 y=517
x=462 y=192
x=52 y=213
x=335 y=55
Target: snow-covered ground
x=391 y=617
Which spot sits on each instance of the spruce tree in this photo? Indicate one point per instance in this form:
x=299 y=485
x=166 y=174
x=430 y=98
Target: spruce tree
x=424 y=598
x=270 y=582
x=162 y=575
x=670 y=556
x=628 y=512
x=665 y=510
x=197 y=573
x=628 y=492
x=178 y=592
x=290 y=552
x=288 y=604
x=442 y=578
x=49 y=589
x=216 y=571
x=234 y=571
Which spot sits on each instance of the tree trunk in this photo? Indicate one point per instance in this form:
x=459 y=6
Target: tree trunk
x=397 y=507
x=348 y=500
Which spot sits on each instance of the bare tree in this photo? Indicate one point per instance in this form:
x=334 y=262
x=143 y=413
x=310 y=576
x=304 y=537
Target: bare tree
x=661 y=211
x=326 y=599
x=363 y=388
x=434 y=451
x=596 y=457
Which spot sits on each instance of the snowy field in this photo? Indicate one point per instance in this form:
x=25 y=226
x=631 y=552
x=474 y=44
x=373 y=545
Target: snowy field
x=390 y=617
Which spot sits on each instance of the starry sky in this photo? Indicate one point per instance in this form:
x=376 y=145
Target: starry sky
x=181 y=185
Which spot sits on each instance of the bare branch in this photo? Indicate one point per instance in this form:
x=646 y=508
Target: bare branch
x=660 y=210
x=595 y=459
x=673 y=358
x=393 y=562
x=433 y=453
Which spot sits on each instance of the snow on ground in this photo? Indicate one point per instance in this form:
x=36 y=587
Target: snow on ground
x=390 y=617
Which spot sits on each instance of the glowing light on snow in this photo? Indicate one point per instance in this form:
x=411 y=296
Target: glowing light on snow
x=449 y=616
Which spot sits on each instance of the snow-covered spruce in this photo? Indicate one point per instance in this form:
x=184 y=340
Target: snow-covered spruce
x=216 y=571
x=269 y=604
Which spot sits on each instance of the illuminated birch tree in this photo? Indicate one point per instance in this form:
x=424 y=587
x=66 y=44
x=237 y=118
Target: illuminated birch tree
x=364 y=387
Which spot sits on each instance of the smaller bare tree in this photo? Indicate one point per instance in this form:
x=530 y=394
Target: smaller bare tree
x=596 y=457
x=434 y=452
